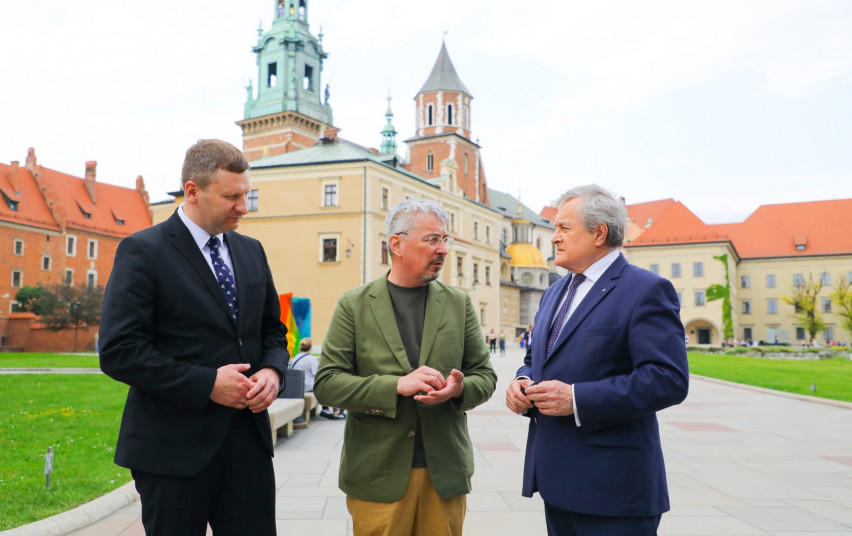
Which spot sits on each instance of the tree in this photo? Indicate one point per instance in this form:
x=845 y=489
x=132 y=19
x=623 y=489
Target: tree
x=27 y=298
x=717 y=291
x=804 y=299
x=66 y=306
x=842 y=297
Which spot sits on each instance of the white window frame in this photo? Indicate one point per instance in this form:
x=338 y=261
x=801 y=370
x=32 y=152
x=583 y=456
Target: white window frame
x=92 y=249
x=91 y=278
x=15 y=245
x=71 y=245
x=20 y=277
x=329 y=236
x=69 y=280
x=49 y=260
x=325 y=184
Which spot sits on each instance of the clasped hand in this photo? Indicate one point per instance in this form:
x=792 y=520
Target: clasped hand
x=234 y=389
x=429 y=386
x=550 y=397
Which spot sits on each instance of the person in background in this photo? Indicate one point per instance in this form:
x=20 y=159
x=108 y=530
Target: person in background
x=607 y=353
x=191 y=322
x=502 y=343
x=405 y=356
x=492 y=342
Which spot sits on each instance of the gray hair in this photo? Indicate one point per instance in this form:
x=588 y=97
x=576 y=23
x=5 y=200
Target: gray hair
x=401 y=217
x=600 y=206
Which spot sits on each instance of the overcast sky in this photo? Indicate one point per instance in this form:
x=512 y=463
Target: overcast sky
x=721 y=105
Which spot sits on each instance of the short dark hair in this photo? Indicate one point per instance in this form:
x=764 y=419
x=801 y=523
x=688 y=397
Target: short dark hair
x=207 y=157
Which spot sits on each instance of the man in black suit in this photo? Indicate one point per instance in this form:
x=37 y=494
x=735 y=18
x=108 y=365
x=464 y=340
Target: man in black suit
x=191 y=321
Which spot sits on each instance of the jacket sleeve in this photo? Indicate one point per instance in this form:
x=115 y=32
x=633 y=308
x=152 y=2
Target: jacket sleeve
x=127 y=350
x=659 y=372
x=337 y=382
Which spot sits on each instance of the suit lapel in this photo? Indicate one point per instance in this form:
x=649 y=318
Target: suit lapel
x=382 y=309
x=185 y=245
x=435 y=303
x=602 y=287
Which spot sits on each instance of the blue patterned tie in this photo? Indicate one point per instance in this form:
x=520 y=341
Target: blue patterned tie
x=576 y=280
x=224 y=276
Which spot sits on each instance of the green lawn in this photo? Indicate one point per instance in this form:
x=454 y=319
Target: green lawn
x=24 y=360
x=78 y=415
x=832 y=377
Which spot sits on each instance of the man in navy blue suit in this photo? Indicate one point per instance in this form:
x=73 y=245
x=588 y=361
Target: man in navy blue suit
x=606 y=355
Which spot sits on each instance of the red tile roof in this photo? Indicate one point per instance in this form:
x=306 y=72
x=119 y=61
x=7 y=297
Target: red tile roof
x=57 y=201
x=822 y=227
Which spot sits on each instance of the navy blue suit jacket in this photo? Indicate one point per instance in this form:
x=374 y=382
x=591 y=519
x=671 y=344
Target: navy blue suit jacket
x=623 y=350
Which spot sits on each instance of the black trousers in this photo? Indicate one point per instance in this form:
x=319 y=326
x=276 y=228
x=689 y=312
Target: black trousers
x=566 y=523
x=234 y=493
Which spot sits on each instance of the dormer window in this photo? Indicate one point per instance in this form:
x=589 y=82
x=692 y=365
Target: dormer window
x=801 y=242
x=87 y=215
x=11 y=203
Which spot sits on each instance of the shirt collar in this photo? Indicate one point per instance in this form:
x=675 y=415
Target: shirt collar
x=597 y=269
x=198 y=234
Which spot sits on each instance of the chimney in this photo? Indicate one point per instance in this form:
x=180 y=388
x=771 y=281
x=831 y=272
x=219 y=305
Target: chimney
x=89 y=182
x=31 y=160
x=329 y=135
x=14 y=175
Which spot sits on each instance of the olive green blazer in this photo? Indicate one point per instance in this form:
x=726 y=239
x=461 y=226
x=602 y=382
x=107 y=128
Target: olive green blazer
x=362 y=359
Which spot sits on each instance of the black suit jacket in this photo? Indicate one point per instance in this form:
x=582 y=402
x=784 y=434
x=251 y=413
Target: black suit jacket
x=164 y=331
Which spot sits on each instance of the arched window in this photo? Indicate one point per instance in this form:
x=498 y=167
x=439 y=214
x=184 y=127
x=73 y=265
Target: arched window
x=449 y=114
x=429 y=115
x=430 y=161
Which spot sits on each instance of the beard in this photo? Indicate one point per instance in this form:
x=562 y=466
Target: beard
x=431 y=275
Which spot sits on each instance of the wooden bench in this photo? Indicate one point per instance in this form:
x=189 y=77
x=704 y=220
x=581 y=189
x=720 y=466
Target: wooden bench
x=282 y=412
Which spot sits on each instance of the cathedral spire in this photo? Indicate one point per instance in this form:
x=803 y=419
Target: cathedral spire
x=289 y=64
x=389 y=132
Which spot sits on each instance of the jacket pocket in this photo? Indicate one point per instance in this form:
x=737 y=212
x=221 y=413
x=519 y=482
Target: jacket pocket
x=624 y=435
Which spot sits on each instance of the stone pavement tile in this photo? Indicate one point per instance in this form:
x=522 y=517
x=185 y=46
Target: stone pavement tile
x=673 y=524
x=787 y=518
x=519 y=503
x=313 y=527
x=681 y=497
x=834 y=492
x=335 y=508
x=299 y=504
x=486 y=501
x=119 y=523
x=504 y=523
x=302 y=481
x=829 y=510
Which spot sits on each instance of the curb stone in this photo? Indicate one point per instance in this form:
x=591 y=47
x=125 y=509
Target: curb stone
x=82 y=516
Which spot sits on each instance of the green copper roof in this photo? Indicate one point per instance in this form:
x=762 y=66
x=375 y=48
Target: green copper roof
x=508 y=206
x=444 y=76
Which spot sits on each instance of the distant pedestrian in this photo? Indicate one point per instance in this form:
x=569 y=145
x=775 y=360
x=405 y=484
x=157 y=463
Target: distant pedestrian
x=502 y=343
x=492 y=341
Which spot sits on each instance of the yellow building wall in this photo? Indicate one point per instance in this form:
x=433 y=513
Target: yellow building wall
x=756 y=316
x=291 y=222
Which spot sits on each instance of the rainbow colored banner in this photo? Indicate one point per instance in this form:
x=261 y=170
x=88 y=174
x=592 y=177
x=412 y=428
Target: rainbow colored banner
x=296 y=316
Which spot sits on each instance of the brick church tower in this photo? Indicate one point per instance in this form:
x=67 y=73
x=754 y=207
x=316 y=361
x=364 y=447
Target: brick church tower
x=289 y=111
x=442 y=147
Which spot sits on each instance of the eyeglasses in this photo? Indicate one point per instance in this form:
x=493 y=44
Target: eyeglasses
x=433 y=240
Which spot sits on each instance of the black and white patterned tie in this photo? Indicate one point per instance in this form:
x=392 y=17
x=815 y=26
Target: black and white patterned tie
x=224 y=276
x=575 y=282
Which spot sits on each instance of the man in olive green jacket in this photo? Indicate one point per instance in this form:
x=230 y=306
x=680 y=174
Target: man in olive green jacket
x=405 y=356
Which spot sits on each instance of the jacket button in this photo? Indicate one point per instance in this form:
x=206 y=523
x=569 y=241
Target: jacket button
x=411 y=434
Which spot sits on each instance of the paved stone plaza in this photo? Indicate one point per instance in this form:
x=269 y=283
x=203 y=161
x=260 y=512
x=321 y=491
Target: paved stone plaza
x=740 y=462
